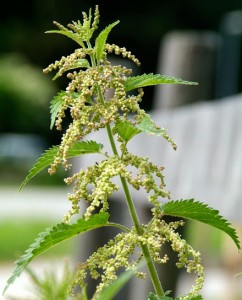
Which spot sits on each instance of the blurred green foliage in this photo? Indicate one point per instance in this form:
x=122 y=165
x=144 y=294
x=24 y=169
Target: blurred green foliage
x=24 y=96
x=16 y=236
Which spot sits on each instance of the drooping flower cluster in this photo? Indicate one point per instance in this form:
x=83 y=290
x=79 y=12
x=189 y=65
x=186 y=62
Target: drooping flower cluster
x=95 y=186
x=88 y=111
x=96 y=97
x=119 y=253
x=99 y=176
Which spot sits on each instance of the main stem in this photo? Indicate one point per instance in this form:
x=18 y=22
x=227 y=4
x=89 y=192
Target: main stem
x=149 y=261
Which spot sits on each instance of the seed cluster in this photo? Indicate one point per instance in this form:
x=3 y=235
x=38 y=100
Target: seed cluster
x=105 y=263
x=82 y=98
x=96 y=98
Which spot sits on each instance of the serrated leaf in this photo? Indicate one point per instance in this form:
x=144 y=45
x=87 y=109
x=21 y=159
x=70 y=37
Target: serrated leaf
x=58 y=101
x=53 y=236
x=79 y=63
x=147 y=125
x=126 y=130
x=199 y=211
x=84 y=147
x=101 y=40
x=69 y=34
x=55 y=107
x=135 y=82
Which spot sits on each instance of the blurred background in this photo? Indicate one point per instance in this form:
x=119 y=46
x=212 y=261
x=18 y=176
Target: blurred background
x=150 y=30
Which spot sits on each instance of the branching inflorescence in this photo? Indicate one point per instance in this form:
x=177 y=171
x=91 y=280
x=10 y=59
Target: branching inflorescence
x=91 y=111
x=99 y=96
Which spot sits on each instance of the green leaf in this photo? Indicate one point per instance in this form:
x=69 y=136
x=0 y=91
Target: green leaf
x=199 y=211
x=79 y=63
x=84 y=147
x=126 y=130
x=69 y=34
x=147 y=125
x=58 y=101
x=55 y=106
x=101 y=40
x=152 y=79
x=53 y=236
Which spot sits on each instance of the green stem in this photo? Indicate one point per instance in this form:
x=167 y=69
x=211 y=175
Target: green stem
x=149 y=261
x=118 y=226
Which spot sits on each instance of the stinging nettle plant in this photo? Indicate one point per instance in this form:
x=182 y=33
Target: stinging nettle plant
x=91 y=76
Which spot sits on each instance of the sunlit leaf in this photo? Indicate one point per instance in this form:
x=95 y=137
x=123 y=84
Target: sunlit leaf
x=147 y=125
x=135 y=82
x=69 y=34
x=126 y=130
x=194 y=210
x=101 y=40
